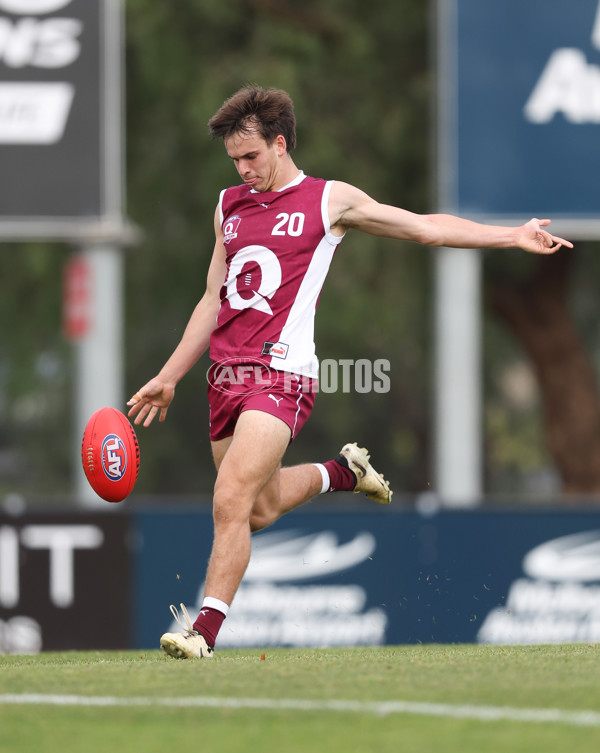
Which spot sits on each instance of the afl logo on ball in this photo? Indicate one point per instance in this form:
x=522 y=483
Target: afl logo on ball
x=114 y=457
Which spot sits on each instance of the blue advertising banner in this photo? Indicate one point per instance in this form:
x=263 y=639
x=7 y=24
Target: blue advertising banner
x=330 y=578
x=520 y=103
x=383 y=577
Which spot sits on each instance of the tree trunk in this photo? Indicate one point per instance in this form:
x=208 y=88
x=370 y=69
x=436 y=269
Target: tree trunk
x=537 y=313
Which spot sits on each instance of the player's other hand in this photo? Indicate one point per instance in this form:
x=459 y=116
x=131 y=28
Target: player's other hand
x=153 y=397
x=536 y=240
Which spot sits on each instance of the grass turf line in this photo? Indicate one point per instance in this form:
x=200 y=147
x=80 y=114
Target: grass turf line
x=421 y=679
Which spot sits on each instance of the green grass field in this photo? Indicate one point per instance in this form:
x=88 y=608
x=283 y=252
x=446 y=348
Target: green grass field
x=408 y=698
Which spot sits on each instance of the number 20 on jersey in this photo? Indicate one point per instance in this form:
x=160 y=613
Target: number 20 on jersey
x=289 y=224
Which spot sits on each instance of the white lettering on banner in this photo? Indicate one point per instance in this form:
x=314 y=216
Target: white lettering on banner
x=267 y=611
x=20 y=635
x=51 y=43
x=546 y=598
x=557 y=603
x=319 y=631
x=61 y=541
x=271 y=600
x=33 y=6
x=573 y=558
x=568 y=85
x=34 y=113
x=9 y=567
x=288 y=556
x=596 y=30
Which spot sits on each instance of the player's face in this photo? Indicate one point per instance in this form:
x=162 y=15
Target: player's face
x=257 y=162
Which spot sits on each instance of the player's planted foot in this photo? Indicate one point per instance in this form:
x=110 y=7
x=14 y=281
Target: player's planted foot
x=187 y=645
x=368 y=480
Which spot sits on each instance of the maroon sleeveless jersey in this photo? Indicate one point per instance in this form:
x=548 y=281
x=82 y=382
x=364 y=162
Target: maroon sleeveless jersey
x=279 y=247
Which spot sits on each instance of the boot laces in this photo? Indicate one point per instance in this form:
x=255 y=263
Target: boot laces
x=185 y=623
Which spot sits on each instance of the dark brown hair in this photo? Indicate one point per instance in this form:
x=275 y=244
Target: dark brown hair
x=252 y=108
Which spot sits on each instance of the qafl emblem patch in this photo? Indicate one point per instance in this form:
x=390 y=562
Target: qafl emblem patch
x=230 y=227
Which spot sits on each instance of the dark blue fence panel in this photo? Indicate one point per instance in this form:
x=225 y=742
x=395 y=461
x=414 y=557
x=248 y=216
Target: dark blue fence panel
x=391 y=577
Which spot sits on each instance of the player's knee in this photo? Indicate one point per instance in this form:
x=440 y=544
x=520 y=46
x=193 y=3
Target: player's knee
x=230 y=506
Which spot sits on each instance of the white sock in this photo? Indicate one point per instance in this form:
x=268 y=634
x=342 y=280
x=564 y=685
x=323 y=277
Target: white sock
x=324 y=476
x=217 y=604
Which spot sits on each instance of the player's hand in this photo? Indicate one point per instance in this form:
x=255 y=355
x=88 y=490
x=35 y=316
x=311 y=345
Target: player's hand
x=536 y=240
x=153 y=397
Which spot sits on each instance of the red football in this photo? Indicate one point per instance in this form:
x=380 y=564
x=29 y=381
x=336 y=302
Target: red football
x=110 y=454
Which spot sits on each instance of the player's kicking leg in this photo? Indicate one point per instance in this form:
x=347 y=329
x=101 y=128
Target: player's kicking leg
x=251 y=458
x=258 y=492
x=292 y=486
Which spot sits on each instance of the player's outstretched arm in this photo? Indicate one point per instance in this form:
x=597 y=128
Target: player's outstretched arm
x=157 y=394
x=349 y=207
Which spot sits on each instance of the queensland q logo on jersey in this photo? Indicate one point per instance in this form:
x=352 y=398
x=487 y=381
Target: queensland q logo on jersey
x=230 y=227
x=114 y=457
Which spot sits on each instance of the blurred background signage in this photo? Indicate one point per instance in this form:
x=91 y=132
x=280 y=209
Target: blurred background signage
x=522 y=133
x=60 y=119
x=58 y=588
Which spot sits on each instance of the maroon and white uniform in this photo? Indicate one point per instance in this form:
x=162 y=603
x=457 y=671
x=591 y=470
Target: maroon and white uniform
x=279 y=247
